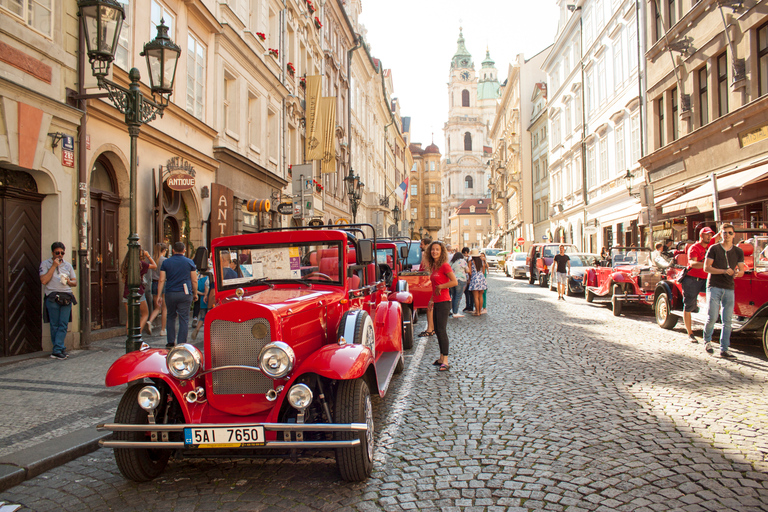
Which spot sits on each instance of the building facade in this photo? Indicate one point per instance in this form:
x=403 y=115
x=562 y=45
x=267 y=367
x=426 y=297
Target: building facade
x=472 y=100
x=470 y=224
x=425 y=194
x=537 y=131
x=707 y=114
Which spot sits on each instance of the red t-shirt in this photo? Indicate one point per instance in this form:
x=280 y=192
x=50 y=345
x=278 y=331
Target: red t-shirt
x=440 y=276
x=697 y=252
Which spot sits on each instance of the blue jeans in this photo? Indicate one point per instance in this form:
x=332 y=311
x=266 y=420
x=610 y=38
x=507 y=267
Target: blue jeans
x=456 y=294
x=59 y=317
x=715 y=298
x=177 y=304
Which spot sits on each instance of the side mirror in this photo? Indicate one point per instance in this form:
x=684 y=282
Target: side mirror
x=364 y=252
x=404 y=252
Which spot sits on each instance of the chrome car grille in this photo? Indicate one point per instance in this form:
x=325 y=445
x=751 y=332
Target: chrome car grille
x=648 y=281
x=232 y=343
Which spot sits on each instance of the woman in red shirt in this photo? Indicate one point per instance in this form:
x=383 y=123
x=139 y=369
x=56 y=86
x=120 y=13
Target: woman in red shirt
x=443 y=279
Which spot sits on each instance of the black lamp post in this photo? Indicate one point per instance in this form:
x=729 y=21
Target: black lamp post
x=102 y=21
x=396 y=216
x=411 y=224
x=354 y=192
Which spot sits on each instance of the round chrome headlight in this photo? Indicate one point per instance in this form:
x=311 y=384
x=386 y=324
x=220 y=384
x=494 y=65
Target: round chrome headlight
x=300 y=396
x=149 y=398
x=276 y=360
x=184 y=361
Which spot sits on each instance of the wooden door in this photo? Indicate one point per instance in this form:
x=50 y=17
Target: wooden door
x=21 y=305
x=105 y=261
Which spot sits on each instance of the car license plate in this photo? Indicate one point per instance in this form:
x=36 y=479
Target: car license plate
x=234 y=436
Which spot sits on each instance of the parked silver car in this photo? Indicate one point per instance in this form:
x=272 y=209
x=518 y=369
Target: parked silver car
x=515 y=265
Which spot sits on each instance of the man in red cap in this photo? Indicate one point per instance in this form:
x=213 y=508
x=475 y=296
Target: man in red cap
x=695 y=281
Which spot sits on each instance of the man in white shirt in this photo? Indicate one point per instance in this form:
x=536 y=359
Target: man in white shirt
x=58 y=277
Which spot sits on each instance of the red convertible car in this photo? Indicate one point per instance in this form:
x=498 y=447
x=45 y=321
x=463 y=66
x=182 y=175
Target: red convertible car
x=629 y=276
x=751 y=291
x=303 y=331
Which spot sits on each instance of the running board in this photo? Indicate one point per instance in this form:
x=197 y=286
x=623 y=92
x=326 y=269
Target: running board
x=385 y=368
x=701 y=318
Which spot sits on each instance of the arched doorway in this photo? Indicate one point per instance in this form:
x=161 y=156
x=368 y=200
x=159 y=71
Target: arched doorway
x=176 y=226
x=21 y=314
x=104 y=257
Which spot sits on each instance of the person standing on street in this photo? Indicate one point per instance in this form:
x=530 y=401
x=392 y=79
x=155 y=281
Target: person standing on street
x=178 y=278
x=477 y=283
x=425 y=242
x=459 y=267
x=59 y=277
x=485 y=274
x=442 y=278
x=724 y=262
x=469 y=299
x=161 y=251
x=146 y=263
x=563 y=270
x=695 y=280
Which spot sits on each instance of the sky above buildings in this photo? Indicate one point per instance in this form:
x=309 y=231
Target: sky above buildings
x=417 y=38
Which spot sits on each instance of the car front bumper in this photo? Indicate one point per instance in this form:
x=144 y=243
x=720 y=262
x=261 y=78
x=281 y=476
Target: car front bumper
x=162 y=431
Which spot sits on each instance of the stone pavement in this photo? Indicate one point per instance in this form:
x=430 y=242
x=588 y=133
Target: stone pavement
x=548 y=406
x=49 y=408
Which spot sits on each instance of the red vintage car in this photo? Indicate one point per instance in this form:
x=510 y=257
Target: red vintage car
x=751 y=291
x=629 y=276
x=391 y=257
x=302 y=332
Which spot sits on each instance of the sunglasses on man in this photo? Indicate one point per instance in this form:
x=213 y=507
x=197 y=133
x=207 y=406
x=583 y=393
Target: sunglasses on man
x=58 y=253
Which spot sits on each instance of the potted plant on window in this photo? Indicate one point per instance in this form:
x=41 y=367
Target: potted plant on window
x=317 y=185
x=274 y=52
x=317 y=22
x=291 y=68
x=311 y=6
x=261 y=35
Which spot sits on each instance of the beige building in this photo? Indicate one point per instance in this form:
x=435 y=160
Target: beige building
x=707 y=113
x=425 y=193
x=511 y=178
x=537 y=130
x=470 y=224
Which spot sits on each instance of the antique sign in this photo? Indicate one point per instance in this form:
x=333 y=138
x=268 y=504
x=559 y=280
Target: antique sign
x=222 y=223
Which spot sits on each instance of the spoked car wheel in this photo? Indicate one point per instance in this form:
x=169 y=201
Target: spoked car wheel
x=353 y=405
x=137 y=464
x=664 y=316
x=765 y=339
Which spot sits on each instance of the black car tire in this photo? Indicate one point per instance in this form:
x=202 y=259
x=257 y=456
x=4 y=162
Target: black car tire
x=589 y=296
x=765 y=339
x=615 y=302
x=137 y=464
x=400 y=364
x=543 y=281
x=532 y=278
x=353 y=405
x=663 y=310
x=407 y=327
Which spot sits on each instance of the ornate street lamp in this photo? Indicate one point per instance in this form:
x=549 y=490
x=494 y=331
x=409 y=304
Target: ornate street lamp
x=354 y=192
x=101 y=24
x=411 y=224
x=396 y=216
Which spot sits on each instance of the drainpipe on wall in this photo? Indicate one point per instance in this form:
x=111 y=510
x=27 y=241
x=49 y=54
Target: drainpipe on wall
x=584 y=185
x=82 y=199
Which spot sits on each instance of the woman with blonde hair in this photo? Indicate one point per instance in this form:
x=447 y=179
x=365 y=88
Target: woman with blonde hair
x=443 y=279
x=161 y=251
x=145 y=264
x=477 y=283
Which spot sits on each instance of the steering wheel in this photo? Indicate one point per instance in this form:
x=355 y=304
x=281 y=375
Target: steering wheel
x=386 y=273
x=319 y=274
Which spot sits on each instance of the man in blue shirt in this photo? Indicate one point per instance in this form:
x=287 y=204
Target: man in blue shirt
x=178 y=277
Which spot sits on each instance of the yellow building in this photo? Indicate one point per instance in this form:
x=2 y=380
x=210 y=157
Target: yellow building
x=424 y=191
x=470 y=224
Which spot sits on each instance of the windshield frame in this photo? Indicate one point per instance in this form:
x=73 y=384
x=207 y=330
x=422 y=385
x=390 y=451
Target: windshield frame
x=255 y=281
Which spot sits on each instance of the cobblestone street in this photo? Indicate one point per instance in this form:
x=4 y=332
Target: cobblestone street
x=547 y=405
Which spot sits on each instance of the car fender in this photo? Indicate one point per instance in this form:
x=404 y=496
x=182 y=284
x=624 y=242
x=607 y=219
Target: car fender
x=401 y=297
x=387 y=323
x=668 y=288
x=336 y=362
x=590 y=277
x=621 y=278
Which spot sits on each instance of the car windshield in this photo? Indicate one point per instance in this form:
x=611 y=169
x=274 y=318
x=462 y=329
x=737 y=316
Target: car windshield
x=520 y=256
x=551 y=250
x=630 y=256
x=243 y=266
x=583 y=260
x=385 y=256
x=760 y=254
x=414 y=254
x=491 y=252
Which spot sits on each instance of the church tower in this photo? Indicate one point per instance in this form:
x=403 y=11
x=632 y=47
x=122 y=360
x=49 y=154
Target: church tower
x=471 y=107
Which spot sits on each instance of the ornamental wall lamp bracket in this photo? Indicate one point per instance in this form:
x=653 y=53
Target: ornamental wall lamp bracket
x=628 y=182
x=683 y=46
x=56 y=138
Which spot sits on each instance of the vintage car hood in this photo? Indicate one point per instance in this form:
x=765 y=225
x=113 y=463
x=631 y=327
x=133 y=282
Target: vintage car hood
x=282 y=299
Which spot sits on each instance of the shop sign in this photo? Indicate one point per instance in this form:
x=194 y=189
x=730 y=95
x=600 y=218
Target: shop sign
x=590 y=230
x=181 y=174
x=285 y=208
x=68 y=151
x=180 y=182
x=753 y=136
x=222 y=223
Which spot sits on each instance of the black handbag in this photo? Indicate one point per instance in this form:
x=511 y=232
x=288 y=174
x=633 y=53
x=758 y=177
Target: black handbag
x=63 y=299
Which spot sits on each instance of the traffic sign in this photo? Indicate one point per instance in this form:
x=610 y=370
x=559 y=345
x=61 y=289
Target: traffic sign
x=520 y=241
